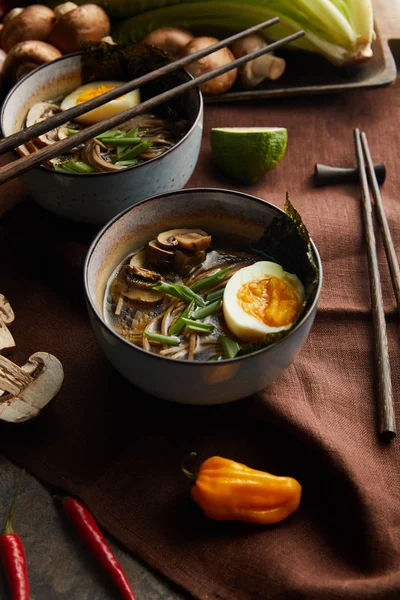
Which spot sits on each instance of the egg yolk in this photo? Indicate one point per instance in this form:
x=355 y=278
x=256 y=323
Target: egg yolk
x=270 y=300
x=94 y=92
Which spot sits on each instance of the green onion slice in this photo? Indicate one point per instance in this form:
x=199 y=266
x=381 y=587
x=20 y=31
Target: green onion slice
x=209 y=281
x=215 y=295
x=231 y=348
x=196 y=326
x=121 y=141
x=107 y=134
x=126 y=163
x=209 y=309
x=135 y=151
x=179 y=324
x=179 y=291
x=75 y=167
x=71 y=131
x=171 y=340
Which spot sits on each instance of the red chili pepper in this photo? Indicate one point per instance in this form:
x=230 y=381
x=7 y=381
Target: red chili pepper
x=91 y=535
x=13 y=556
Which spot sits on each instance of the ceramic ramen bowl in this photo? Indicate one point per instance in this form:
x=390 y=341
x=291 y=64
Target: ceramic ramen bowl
x=190 y=382
x=97 y=197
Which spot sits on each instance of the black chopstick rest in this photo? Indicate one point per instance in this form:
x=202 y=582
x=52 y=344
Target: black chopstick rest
x=324 y=175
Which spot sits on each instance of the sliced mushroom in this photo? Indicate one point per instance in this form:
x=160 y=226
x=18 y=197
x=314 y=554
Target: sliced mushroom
x=134 y=287
x=137 y=267
x=29 y=388
x=192 y=240
x=184 y=261
x=41 y=111
x=167 y=239
x=7 y=342
x=157 y=257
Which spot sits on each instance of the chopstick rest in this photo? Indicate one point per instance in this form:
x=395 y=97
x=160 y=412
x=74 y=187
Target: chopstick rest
x=7 y=342
x=325 y=175
x=386 y=418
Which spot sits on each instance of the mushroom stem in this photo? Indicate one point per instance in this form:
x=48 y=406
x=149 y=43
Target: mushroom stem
x=255 y=71
x=264 y=67
x=29 y=388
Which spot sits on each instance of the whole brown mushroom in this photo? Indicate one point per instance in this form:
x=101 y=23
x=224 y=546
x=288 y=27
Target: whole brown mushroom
x=34 y=22
x=26 y=56
x=76 y=25
x=255 y=71
x=169 y=39
x=217 y=85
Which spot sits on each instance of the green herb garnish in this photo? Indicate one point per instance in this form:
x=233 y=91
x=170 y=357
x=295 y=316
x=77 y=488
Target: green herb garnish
x=231 y=348
x=207 y=310
x=196 y=326
x=179 y=324
x=215 y=295
x=171 y=340
x=209 y=281
x=179 y=291
x=136 y=151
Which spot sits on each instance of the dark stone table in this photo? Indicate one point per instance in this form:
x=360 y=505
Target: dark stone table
x=60 y=568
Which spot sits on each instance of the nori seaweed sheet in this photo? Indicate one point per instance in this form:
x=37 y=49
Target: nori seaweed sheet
x=124 y=62
x=286 y=239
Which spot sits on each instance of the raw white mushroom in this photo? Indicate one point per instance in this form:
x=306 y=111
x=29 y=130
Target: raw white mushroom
x=30 y=388
x=7 y=342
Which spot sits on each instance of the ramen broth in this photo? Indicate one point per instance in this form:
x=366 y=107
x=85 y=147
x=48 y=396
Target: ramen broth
x=176 y=309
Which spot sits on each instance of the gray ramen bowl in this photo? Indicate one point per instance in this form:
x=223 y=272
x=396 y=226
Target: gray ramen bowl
x=97 y=197
x=182 y=381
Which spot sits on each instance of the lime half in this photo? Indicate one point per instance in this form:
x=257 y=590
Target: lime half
x=247 y=153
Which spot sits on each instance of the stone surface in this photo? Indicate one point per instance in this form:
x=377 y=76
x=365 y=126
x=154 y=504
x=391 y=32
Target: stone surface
x=60 y=568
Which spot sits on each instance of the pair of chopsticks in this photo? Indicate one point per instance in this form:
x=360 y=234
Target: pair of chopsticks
x=27 y=162
x=386 y=416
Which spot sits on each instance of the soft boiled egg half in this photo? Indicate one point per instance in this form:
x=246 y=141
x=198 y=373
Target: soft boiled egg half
x=262 y=299
x=92 y=90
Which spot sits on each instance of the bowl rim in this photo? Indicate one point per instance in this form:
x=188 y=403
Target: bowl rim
x=51 y=171
x=182 y=361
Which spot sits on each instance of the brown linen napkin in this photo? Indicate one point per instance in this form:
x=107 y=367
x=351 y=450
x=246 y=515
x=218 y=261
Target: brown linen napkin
x=119 y=450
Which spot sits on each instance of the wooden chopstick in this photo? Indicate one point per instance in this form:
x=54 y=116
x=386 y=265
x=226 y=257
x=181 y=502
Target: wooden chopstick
x=27 y=162
x=383 y=223
x=386 y=418
x=29 y=133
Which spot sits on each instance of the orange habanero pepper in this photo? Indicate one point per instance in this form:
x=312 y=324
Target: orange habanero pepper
x=229 y=491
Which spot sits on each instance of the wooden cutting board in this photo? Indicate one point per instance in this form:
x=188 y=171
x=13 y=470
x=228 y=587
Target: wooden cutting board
x=308 y=73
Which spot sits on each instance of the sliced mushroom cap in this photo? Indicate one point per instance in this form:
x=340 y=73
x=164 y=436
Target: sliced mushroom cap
x=157 y=257
x=41 y=111
x=30 y=387
x=184 y=261
x=6 y=312
x=136 y=266
x=134 y=288
x=192 y=240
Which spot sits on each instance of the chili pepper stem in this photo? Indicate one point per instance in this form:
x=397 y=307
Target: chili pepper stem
x=191 y=476
x=8 y=529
